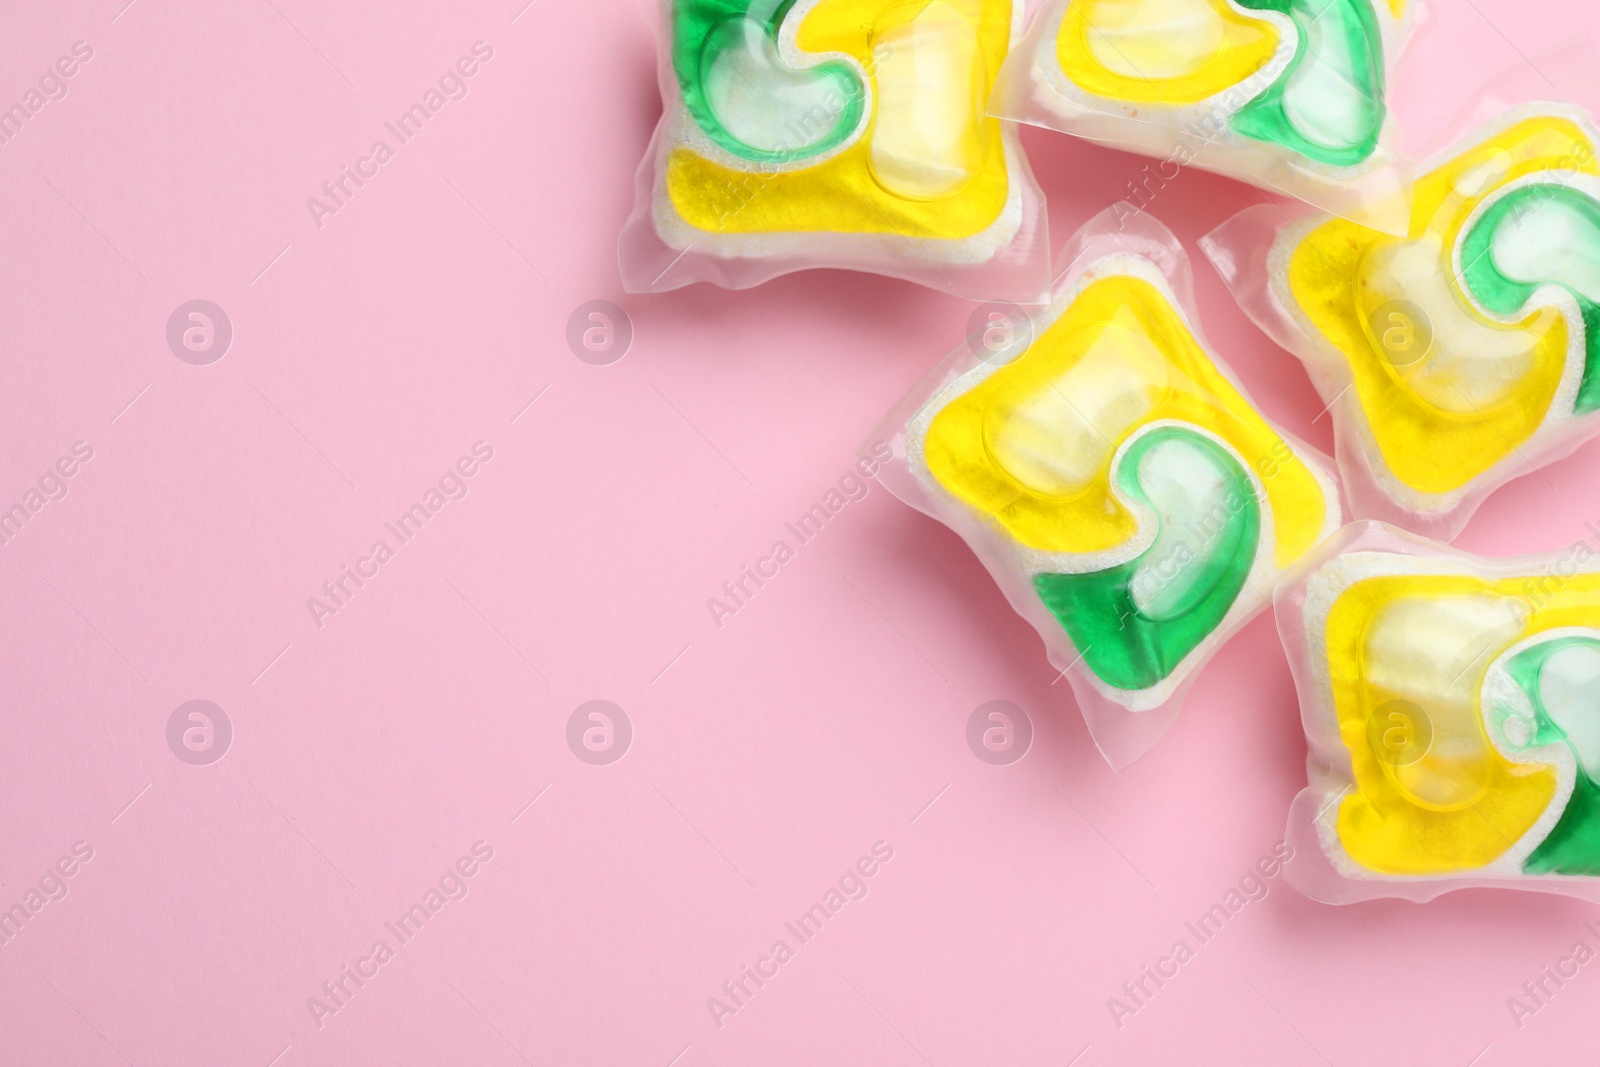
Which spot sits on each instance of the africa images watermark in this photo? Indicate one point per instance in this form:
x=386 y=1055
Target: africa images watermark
x=1253 y=887
x=999 y=732
x=453 y=484
x=1554 y=576
x=452 y=885
x=852 y=885
x=1196 y=539
x=1537 y=992
x=805 y=129
x=1202 y=129
x=854 y=485
x=1400 y=731
x=452 y=85
x=50 y=886
x=50 y=87
x=51 y=486
x=199 y=732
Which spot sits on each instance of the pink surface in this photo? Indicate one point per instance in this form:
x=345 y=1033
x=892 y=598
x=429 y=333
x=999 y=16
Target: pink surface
x=370 y=753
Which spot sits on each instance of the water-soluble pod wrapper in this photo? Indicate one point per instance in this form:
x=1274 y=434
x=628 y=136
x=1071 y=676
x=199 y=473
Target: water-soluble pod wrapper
x=836 y=133
x=1113 y=477
x=1463 y=354
x=1451 y=712
x=1289 y=95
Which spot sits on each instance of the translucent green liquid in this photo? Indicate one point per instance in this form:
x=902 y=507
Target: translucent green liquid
x=1328 y=104
x=1563 y=225
x=741 y=94
x=1134 y=623
x=1573 y=847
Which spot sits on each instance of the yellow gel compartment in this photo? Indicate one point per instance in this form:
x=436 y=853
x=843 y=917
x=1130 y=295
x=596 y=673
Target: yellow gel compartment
x=1161 y=51
x=1032 y=444
x=1461 y=805
x=929 y=164
x=1439 y=420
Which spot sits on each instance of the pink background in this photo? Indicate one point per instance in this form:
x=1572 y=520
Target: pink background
x=767 y=755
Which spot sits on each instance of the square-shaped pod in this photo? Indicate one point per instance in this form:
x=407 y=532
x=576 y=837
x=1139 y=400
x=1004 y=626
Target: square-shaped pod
x=1289 y=95
x=1464 y=353
x=1113 y=477
x=836 y=133
x=1449 y=705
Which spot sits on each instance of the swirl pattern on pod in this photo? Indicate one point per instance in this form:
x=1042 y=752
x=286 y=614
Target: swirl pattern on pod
x=1479 y=330
x=1311 y=72
x=742 y=93
x=849 y=116
x=1469 y=706
x=1130 y=484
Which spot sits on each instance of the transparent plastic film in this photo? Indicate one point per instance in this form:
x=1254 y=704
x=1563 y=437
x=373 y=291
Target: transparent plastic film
x=1466 y=351
x=1451 y=715
x=1114 y=478
x=853 y=134
x=1289 y=95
